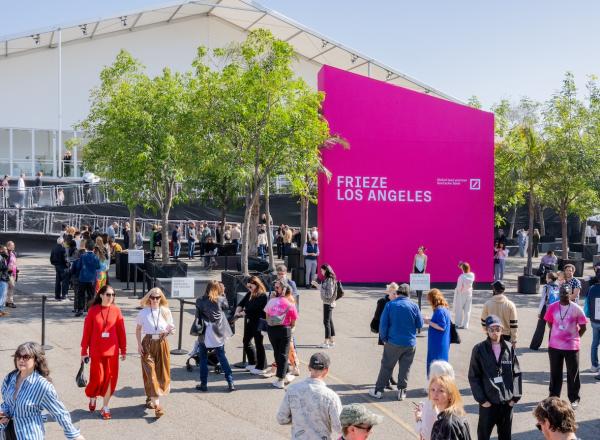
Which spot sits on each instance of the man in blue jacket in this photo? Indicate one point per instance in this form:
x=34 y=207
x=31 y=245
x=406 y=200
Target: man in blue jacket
x=86 y=266
x=400 y=320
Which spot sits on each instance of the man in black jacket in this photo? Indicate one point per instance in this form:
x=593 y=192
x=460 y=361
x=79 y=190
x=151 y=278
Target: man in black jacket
x=58 y=258
x=495 y=379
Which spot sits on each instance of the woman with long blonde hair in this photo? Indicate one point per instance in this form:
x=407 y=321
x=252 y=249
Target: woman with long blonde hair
x=102 y=272
x=155 y=323
x=451 y=423
x=210 y=313
x=438 y=335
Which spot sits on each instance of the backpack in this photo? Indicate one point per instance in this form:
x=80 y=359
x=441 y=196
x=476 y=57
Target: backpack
x=277 y=320
x=339 y=290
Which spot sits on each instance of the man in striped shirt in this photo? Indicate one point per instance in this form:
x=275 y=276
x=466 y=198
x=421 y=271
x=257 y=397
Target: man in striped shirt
x=505 y=309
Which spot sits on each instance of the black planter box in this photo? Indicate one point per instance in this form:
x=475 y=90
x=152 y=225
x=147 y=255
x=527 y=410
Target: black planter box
x=121 y=269
x=528 y=285
x=547 y=239
x=156 y=269
x=235 y=281
x=577 y=262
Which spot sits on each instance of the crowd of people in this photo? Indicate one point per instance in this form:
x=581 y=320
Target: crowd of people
x=310 y=406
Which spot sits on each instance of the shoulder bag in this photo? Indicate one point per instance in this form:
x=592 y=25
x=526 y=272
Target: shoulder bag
x=81 y=378
x=454 y=336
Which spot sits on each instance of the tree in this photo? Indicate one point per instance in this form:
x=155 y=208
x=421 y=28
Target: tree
x=572 y=140
x=140 y=132
x=264 y=117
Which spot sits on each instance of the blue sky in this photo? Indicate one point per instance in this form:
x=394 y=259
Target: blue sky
x=492 y=49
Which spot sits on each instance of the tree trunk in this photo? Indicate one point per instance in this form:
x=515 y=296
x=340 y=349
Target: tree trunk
x=164 y=221
x=513 y=218
x=542 y=221
x=132 y=228
x=530 y=242
x=565 y=234
x=223 y=220
x=254 y=218
x=582 y=231
x=304 y=202
x=246 y=233
x=269 y=230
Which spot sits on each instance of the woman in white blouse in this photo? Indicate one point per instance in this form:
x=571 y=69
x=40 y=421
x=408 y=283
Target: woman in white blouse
x=155 y=323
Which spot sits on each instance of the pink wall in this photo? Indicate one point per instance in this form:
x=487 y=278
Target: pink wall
x=435 y=157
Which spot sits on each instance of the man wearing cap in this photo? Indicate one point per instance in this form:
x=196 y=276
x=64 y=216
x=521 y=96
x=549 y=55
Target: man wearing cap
x=500 y=306
x=495 y=379
x=357 y=422
x=310 y=406
x=400 y=320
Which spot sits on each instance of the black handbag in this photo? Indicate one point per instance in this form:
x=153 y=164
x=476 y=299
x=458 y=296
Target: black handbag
x=339 y=290
x=263 y=326
x=9 y=431
x=198 y=327
x=454 y=336
x=81 y=378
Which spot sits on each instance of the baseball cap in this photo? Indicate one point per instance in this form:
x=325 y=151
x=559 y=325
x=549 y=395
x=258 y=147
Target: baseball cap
x=493 y=320
x=498 y=286
x=356 y=414
x=319 y=361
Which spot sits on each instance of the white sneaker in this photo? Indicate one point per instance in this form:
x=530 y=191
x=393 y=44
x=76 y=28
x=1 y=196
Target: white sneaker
x=295 y=371
x=268 y=374
x=332 y=344
x=325 y=345
x=575 y=405
x=278 y=383
x=289 y=378
x=402 y=394
x=594 y=369
x=250 y=367
x=375 y=394
x=258 y=372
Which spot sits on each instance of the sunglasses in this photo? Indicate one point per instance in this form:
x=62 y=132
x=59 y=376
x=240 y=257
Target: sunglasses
x=25 y=357
x=155 y=297
x=538 y=426
x=366 y=428
x=109 y=294
x=494 y=329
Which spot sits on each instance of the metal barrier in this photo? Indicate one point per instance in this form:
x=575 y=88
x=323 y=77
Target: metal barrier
x=43 y=344
x=57 y=195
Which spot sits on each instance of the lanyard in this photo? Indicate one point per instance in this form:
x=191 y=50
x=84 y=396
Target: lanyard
x=155 y=322
x=104 y=319
x=562 y=317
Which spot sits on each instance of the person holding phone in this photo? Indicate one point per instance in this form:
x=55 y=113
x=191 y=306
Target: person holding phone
x=103 y=338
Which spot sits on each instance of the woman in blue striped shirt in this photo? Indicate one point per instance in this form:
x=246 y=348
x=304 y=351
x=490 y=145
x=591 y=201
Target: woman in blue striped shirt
x=27 y=391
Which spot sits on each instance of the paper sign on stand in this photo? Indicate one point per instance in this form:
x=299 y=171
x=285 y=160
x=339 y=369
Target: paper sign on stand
x=182 y=287
x=135 y=256
x=419 y=281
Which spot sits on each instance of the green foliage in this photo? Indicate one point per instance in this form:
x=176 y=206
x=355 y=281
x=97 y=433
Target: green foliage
x=474 y=102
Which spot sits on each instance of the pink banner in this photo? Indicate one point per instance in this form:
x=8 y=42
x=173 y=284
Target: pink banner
x=419 y=171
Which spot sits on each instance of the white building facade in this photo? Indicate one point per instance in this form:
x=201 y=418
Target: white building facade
x=46 y=75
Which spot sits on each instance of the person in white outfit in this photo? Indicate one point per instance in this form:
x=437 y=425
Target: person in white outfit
x=463 y=296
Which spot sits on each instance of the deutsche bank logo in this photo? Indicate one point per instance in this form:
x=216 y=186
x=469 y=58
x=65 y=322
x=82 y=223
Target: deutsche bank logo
x=475 y=184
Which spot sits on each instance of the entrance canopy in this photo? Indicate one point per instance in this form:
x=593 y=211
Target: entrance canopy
x=244 y=14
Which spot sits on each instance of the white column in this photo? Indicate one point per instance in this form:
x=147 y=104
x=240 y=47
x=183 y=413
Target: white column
x=59 y=158
x=10 y=151
x=32 y=152
x=54 y=173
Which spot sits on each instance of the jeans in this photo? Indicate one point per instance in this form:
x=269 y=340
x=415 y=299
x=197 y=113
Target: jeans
x=84 y=295
x=176 y=249
x=280 y=338
x=262 y=251
x=311 y=270
x=328 y=321
x=392 y=355
x=571 y=359
x=191 y=248
x=522 y=248
x=499 y=269
x=3 y=291
x=203 y=352
x=256 y=356
x=61 y=282
x=595 y=343
x=496 y=415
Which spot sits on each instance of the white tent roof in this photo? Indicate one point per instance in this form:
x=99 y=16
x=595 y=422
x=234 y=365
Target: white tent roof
x=244 y=14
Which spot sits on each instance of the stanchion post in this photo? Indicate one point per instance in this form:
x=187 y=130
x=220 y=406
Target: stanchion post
x=135 y=272
x=244 y=360
x=44 y=346
x=179 y=350
x=128 y=273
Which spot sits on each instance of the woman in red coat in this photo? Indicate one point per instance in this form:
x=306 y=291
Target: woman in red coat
x=104 y=337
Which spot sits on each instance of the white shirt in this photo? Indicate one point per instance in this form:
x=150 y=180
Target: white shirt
x=153 y=321
x=21 y=184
